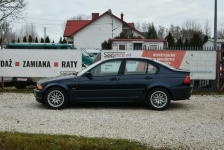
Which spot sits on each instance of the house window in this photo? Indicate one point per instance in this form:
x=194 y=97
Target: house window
x=128 y=31
x=153 y=47
x=137 y=46
x=122 y=46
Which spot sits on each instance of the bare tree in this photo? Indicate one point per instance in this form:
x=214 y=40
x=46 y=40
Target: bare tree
x=161 y=32
x=137 y=26
x=207 y=28
x=77 y=17
x=221 y=33
x=189 y=27
x=28 y=29
x=11 y=8
x=6 y=33
x=145 y=26
x=175 y=31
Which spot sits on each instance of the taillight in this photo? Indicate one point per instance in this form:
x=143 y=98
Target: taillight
x=187 y=80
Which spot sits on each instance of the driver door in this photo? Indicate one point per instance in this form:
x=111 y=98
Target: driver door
x=103 y=85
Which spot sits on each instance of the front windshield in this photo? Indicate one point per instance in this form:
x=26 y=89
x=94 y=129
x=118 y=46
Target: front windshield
x=164 y=64
x=88 y=68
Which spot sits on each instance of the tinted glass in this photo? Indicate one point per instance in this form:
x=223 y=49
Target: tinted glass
x=135 y=67
x=110 y=68
x=151 y=69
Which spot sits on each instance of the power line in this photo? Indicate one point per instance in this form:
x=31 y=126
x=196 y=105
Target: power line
x=44 y=19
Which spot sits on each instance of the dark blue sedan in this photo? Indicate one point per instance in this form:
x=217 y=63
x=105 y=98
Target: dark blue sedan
x=118 y=80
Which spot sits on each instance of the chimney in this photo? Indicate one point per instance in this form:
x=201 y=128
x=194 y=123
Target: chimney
x=122 y=16
x=95 y=16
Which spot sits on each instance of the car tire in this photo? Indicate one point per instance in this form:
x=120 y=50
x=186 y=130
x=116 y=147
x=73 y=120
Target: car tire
x=158 y=99
x=56 y=98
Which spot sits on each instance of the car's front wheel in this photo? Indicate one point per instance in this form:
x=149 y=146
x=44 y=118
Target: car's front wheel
x=56 y=98
x=158 y=99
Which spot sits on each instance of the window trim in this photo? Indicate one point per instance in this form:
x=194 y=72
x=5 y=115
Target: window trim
x=147 y=61
x=119 y=70
x=125 y=48
x=135 y=60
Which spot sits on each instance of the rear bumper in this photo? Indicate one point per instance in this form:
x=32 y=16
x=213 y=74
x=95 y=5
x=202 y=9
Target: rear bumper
x=38 y=94
x=181 y=93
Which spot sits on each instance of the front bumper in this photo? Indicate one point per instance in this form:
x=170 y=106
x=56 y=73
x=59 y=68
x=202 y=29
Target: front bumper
x=39 y=95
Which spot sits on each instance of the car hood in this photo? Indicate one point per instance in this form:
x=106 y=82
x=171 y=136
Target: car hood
x=57 y=78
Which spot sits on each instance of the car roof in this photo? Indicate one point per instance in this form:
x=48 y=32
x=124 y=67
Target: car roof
x=129 y=58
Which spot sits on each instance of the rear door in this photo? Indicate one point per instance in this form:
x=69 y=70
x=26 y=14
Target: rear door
x=137 y=76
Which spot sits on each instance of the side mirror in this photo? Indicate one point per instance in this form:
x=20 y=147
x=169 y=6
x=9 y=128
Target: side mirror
x=89 y=75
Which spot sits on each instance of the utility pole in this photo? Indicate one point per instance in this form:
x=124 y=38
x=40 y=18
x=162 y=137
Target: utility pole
x=215 y=26
x=44 y=34
x=110 y=11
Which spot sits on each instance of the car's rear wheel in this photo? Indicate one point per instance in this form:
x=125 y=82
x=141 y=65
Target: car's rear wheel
x=158 y=99
x=56 y=98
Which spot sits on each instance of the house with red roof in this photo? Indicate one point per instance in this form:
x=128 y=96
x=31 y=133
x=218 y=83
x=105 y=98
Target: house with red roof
x=138 y=44
x=91 y=33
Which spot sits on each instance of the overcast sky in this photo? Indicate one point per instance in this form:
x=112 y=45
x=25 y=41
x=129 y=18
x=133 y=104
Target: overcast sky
x=161 y=12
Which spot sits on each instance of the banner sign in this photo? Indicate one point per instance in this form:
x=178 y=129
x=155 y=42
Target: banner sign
x=39 y=63
x=202 y=64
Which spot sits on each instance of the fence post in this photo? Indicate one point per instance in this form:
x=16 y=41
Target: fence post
x=218 y=69
x=2 y=82
x=2 y=77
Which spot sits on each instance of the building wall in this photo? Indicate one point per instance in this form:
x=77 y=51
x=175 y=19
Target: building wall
x=209 y=44
x=94 y=34
x=137 y=34
x=129 y=45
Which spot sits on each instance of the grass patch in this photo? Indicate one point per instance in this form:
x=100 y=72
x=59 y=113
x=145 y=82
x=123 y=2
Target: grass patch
x=16 y=90
x=21 y=141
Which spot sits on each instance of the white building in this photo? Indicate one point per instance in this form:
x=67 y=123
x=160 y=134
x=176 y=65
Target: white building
x=91 y=33
x=210 y=44
x=138 y=44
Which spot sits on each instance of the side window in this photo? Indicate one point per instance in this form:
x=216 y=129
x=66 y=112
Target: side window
x=135 y=67
x=151 y=69
x=110 y=68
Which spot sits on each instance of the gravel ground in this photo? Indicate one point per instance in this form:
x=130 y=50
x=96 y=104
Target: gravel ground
x=197 y=123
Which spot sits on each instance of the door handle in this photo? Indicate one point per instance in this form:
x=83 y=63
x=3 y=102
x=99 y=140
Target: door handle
x=148 y=78
x=114 y=79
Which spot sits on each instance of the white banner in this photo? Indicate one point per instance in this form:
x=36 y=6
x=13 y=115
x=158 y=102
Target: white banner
x=39 y=63
x=202 y=64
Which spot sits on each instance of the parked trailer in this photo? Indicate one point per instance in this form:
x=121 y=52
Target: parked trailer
x=22 y=82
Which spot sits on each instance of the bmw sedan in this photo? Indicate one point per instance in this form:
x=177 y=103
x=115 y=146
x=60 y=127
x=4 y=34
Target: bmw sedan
x=118 y=80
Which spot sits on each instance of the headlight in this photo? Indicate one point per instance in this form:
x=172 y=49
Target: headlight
x=39 y=87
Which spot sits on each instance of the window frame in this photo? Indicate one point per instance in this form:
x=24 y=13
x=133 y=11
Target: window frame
x=146 y=72
x=119 y=70
x=153 y=45
x=126 y=31
x=125 y=47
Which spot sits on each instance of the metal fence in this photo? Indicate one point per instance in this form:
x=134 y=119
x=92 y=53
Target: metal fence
x=199 y=85
x=220 y=69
